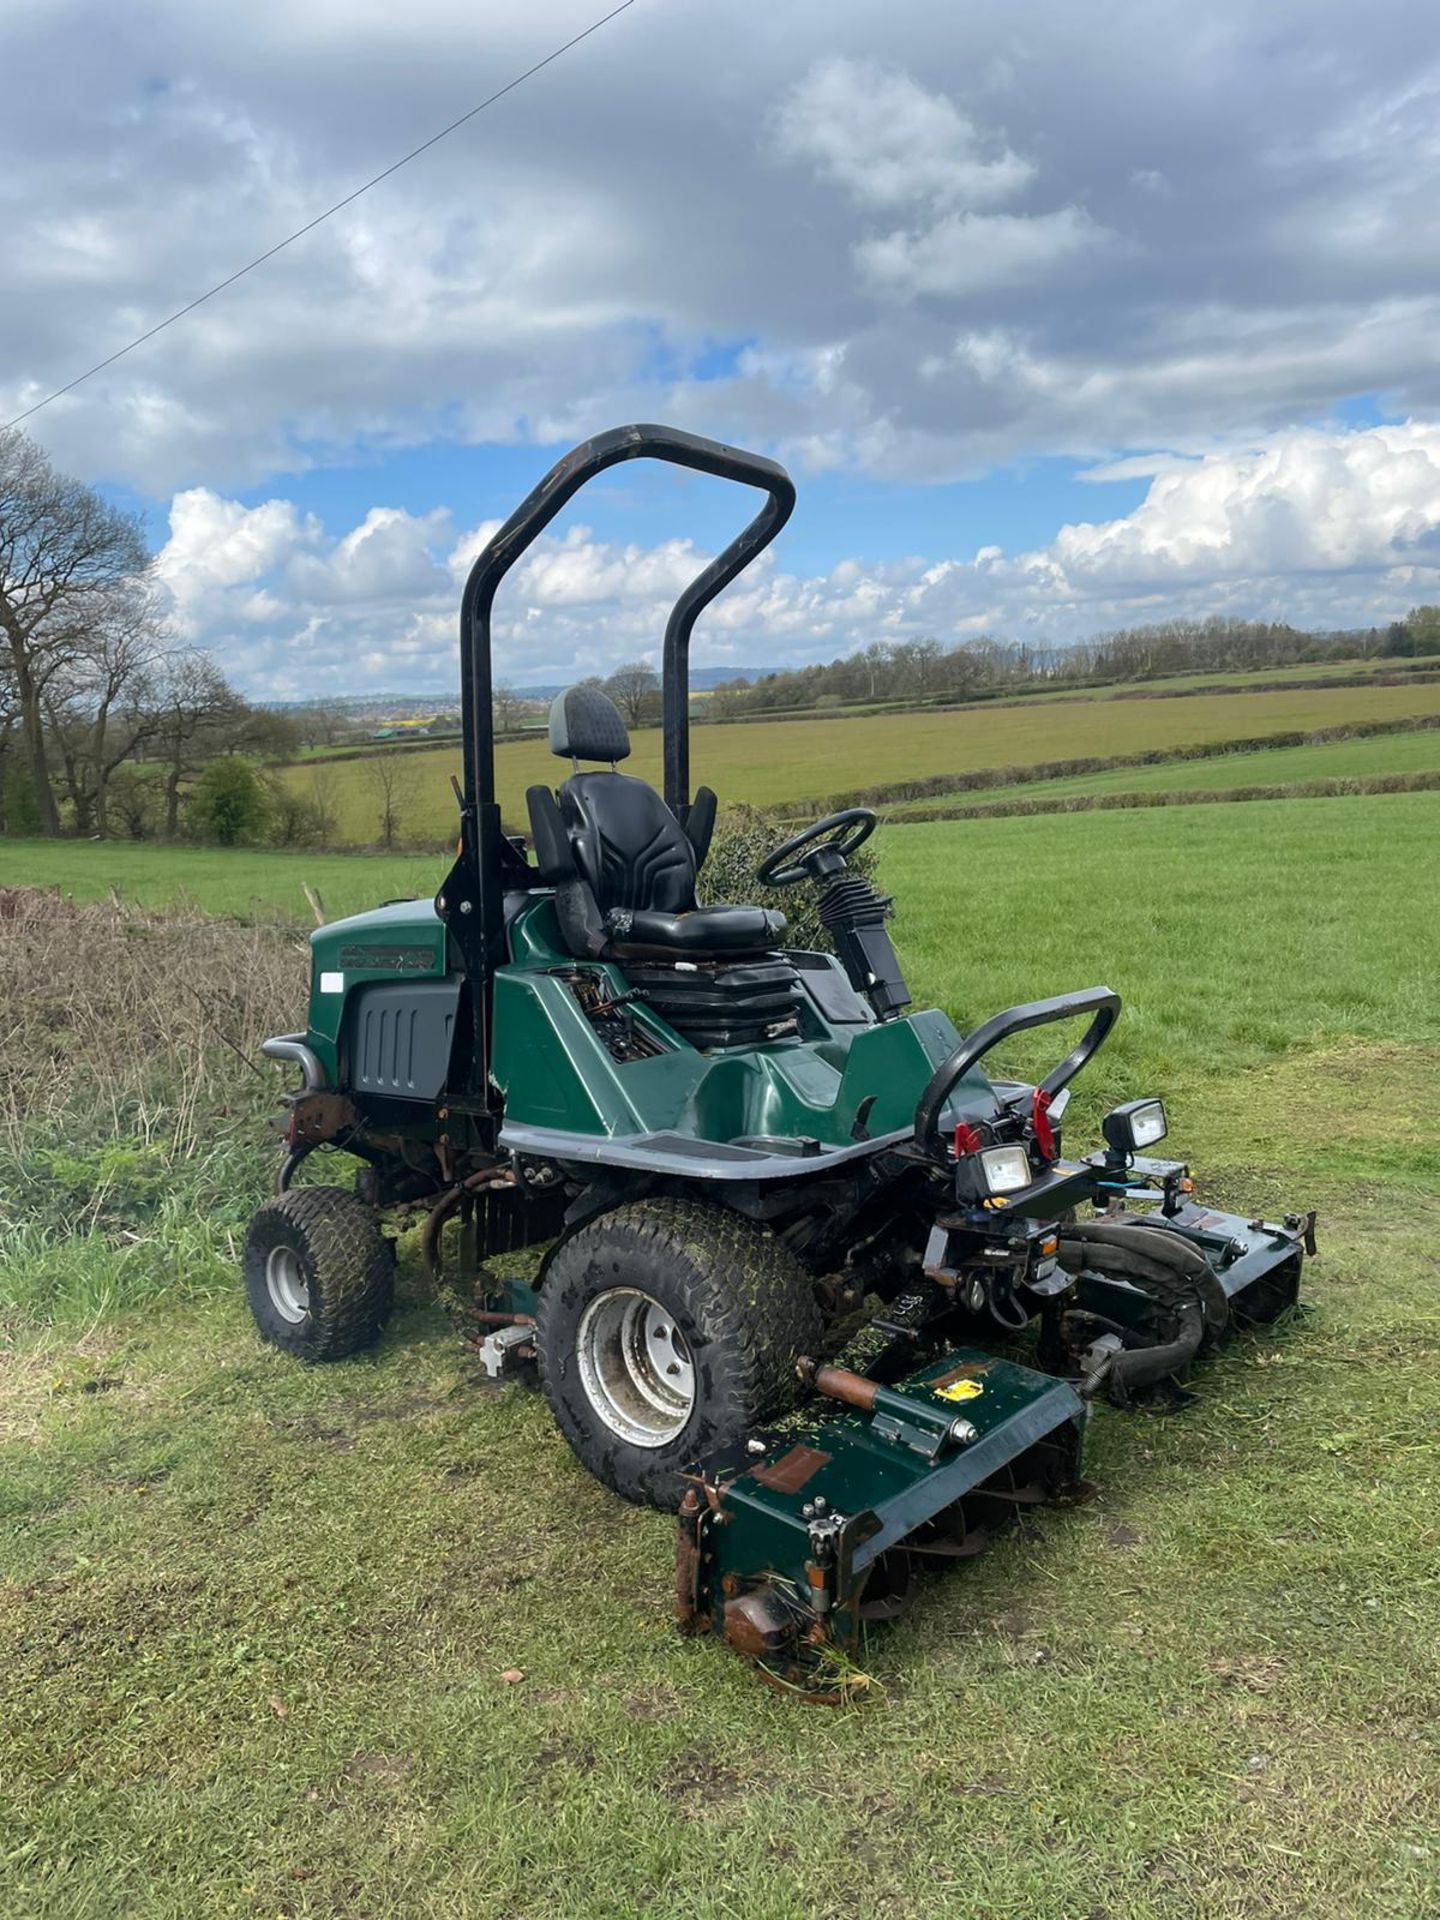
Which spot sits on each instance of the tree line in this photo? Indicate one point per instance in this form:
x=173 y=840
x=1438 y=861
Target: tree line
x=922 y=672
x=108 y=727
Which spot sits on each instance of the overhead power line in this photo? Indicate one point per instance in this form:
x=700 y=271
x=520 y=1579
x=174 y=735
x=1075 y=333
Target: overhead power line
x=320 y=218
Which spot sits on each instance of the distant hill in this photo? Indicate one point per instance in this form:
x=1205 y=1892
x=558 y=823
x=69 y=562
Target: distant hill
x=702 y=679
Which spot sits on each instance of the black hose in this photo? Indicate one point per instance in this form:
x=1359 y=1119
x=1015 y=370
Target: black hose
x=1138 y=1367
x=1016 y=1325
x=1140 y=1250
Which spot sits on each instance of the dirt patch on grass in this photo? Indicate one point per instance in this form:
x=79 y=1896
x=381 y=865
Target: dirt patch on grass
x=698 y=1781
x=1252 y=1673
x=391 y=1769
x=63 y=1626
x=653 y=1703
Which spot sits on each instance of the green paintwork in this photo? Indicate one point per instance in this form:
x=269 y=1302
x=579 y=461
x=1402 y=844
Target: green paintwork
x=884 y=1487
x=555 y=1071
x=367 y=947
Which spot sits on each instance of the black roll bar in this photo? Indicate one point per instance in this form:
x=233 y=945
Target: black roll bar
x=535 y=513
x=471 y=899
x=1101 y=1001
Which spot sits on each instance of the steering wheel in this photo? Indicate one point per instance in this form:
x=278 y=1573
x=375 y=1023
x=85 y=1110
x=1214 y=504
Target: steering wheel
x=839 y=835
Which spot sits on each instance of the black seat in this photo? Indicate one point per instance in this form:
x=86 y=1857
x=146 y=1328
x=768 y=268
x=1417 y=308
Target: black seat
x=624 y=872
x=623 y=866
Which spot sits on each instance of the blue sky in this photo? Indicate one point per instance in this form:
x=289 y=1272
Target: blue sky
x=836 y=515
x=1063 y=319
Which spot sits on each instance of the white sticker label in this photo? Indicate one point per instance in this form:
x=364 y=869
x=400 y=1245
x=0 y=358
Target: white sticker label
x=332 y=983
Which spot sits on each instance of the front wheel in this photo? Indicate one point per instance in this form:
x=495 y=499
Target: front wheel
x=667 y=1329
x=319 y=1274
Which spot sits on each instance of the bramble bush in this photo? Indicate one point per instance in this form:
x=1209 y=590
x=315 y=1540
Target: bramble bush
x=743 y=836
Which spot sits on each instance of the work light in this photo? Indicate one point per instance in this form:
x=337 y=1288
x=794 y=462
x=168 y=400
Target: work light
x=1133 y=1127
x=1005 y=1169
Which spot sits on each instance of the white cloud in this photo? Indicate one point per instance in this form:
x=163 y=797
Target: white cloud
x=893 y=145
x=1185 y=230
x=971 y=252
x=890 y=143
x=1311 y=502
x=216 y=545
x=1317 y=528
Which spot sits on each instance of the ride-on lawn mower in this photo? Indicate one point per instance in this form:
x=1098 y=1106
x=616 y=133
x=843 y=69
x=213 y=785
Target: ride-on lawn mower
x=788 y=1220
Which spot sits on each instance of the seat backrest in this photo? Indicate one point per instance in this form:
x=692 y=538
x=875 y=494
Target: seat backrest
x=626 y=843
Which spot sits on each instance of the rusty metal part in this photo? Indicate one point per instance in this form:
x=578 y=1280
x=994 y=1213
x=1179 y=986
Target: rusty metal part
x=839 y=1383
x=314 y=1118
x=317 y=1117
x=485 y=1180
x=967 y=1370
x=687 y=1565
x=435 y=1221
x=485 y=1316
x=759 y=1624
x=792 y=1470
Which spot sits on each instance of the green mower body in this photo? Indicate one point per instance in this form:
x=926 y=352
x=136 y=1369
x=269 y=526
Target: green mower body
x=813 y=1275
x=384 y=1001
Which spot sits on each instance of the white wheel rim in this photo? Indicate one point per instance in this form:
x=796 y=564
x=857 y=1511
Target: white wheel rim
x=635 y=1367
x=285 y=1283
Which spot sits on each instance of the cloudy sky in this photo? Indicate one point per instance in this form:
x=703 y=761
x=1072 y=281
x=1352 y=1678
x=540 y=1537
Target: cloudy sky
x=1065 y=316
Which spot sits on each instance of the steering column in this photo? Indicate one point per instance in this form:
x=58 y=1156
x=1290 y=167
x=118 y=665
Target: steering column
x=851 y=911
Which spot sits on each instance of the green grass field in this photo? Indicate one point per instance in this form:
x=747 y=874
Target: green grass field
x=1306 y=673
x=1272 y=766
x=248 y=883
x=255 y=1621
x=779 y=762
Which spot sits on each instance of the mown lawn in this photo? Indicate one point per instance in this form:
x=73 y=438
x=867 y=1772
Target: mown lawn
x=256 y=1622
x=779 y=762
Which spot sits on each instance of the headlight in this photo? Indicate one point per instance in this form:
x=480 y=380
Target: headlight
x=1006 y=1169
x=1135 y=1126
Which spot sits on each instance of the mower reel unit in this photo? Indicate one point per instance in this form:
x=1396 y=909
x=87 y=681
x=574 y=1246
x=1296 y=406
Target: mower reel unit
x=813 y=1278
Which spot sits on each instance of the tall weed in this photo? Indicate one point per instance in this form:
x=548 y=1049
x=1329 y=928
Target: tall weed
x=133 y=1099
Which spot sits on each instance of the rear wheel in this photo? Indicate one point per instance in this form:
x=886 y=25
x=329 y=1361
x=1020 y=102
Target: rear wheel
x=666 y=1329
x=319 y=1274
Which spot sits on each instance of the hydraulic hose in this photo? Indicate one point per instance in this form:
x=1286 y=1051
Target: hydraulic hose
x=1135 y=1248
x=1017 y=1320
x=1137 y=1367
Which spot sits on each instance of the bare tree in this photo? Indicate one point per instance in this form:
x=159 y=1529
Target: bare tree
x=635 y=689
x=61 y=548
x=388 y=779
x=197 y=715
x=132 y=802
x=100 y=711
x=323 y=724
x=9 y=734
x=509 y=709
x=325 y=801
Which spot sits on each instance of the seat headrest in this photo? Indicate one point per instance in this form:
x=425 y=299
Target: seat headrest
x=585 y=724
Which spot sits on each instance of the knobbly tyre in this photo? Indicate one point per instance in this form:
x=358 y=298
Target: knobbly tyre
x=789 y=1218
